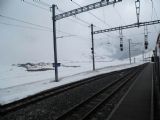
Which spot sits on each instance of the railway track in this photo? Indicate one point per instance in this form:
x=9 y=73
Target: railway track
x=88 y=107
x=40 y=98
x=4 y=109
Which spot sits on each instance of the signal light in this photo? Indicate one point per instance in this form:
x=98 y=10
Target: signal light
x=121 y=47
x=146 y=44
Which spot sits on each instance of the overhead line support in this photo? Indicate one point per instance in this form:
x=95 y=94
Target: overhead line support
x=55 y=65
x=86 y=8
x=92 y=49
x=127 y=26
x=71 y=13
x=129 y=45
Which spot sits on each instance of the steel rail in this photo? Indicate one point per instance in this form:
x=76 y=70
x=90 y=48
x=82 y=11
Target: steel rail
x=71 y=110
x=93 y=111
x=4 y=109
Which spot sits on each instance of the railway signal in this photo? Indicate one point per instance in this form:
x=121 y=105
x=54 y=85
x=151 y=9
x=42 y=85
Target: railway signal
x=146 y=45
x=145 y=37
x=121 y=46
x=121 y=39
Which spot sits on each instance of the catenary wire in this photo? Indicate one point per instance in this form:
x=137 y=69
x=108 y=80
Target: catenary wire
x=34 y=5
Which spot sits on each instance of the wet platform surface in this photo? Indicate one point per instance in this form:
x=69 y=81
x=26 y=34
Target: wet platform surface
x=137 y=103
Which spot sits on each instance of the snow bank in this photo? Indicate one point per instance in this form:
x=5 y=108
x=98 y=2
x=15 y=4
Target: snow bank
x=13 y=93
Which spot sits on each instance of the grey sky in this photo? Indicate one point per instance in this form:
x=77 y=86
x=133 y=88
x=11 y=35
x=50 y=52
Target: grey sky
x=34 y=44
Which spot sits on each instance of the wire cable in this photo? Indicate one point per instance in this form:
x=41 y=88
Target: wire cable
x=120 y=16
x=32 y=28
x=42 y=3
x=40 y=27
x=85 y=22
x=92 y=14
x=22 y=21
x=152 y=16
x=37 y=6
x=21 y=26
x=95 y=17
x=155 y=10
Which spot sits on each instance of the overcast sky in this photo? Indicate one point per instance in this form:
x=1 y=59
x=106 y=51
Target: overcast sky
x=22 y=42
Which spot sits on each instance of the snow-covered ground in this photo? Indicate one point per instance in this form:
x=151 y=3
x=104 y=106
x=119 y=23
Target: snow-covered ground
x=13 y=76
x=16 y=83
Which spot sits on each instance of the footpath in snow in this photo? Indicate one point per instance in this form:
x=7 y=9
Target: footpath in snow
x=14 y=93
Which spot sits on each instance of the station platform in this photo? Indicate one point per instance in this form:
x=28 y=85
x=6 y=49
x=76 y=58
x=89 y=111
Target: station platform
x=137 y=102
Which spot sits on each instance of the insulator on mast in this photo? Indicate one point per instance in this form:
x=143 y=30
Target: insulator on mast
x=137 y=4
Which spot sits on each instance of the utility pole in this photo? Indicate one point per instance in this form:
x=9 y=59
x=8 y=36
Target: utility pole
x=73 y=13
x=143 y=55
x=55 y=43
x=129 y=41
x=92 y=49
